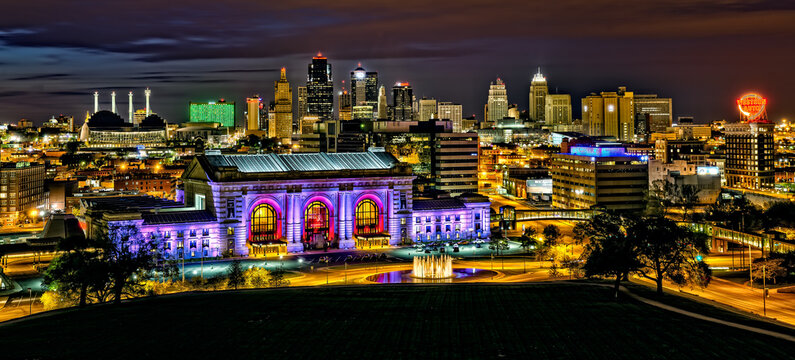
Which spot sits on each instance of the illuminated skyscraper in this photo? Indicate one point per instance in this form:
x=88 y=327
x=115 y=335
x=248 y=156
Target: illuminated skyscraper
x=452 y=112
x=364 y=88
x=656 y=110
x=221 y=112
x=253 y=113
x=282 y=125
x=497 y=101
x=345 y=104
x=382 y=105
x=320 y=89
x=301 y=102
x=538 y=95
x=402 y=98
x=750 y=146
x=557 y=110
x=610 y=114
x=427 y=109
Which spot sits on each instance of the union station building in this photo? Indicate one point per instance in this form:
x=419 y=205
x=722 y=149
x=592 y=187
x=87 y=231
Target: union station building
x=270 y=204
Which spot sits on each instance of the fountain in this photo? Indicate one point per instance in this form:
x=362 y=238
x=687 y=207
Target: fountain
x=433 y=267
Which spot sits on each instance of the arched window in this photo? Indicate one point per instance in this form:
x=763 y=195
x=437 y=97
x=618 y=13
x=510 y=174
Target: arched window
x=264 y=223
x=367 y=217
x=316 y=218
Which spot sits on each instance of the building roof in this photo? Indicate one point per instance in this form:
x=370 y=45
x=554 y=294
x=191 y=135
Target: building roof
x=374 y=162
x=438 y=204
x=178 y=217
x=131 y=203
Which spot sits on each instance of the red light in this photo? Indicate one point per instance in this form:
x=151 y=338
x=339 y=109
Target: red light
x=752 y=106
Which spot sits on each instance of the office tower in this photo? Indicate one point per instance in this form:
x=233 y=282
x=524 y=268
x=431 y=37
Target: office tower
x=427 y=109
x=610 y=114
x=452 y=112
x=364 y=88
x=282 y=125
x=221 y=112
x=308 y=124
x=22 y=191
x=253 y=113
x=599 y=177
x=301 y=102
x=320 y=89
x=345 y=104
x=557 y=110
x=749 y=155
x=497 y=101
x=454 y=158
x=402 y=99
x=538 y=95
x=656 y=110
x=382 y=105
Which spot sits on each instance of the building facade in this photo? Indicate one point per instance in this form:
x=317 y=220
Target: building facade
x=557 y=109
x=282 y=125
x=269 y=204
x=427 y=109
x=657 y=111
x=601 y=177
x=21 y=191
x=538 y=95
x=497 y=103
x=610 y=114
x=453 y=112
x=320 y=89
x=221 y=112
x=402 y=98
x=749 y=155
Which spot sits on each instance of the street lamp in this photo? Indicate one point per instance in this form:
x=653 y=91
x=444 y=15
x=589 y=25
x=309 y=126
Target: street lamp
x=30 y=301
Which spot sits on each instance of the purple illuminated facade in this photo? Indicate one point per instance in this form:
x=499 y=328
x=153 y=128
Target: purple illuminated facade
x=269 y=204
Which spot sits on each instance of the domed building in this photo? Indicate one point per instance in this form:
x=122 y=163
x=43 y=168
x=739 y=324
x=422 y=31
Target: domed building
x=108 y=130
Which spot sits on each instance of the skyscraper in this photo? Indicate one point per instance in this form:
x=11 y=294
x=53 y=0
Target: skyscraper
x=320 y=89
x=452 y=112
x=750 y=146
x=497 y=101
x=538 y=95
x=253 y=113
x=345 y=104
x=402 y=97
x=427 y=109
x=610 y=114
x=557 y=110
x=282 y=125
x=656 y=110
x=382 y=105
x=301 y=102
x=364 y=88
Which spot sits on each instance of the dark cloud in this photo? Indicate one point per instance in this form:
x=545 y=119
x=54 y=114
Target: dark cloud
x=40 y=77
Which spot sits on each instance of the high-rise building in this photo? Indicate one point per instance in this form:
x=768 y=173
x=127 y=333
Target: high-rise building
x=21 y=191
x=345 y=102
x=513 y=111
x=320 y=89
x=538 y=95
x=382 y=105
x=221 y=111
x=449 y=111
x=402 y=98
x=599 y=177
x=497 y=102
x=427 y=109
x=253 y=113
x=454 y=158
x=282 y=125
x=749 y=155
x=301 y=102
x=557 y=110
x=657 y=111
x=364 y=88
x=610 y=114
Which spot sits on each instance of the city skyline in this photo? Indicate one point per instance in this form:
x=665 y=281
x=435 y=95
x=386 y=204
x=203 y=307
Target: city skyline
x=205 y=52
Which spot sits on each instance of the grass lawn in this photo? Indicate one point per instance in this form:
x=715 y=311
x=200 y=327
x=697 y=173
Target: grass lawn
x=375 y=322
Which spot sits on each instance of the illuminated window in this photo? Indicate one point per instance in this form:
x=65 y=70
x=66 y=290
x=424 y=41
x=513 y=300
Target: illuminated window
x=367 y=218
x=316 y=218
x=264 y=223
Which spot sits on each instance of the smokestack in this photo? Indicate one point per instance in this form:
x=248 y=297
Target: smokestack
x=148 y=93
x=130 y=106
x=113 y=102
x=96 y=101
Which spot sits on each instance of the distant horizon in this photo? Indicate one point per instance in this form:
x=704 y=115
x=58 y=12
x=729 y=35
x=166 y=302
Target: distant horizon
x=704 y=55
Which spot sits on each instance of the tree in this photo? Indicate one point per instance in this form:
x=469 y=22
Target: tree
x=127 y=254
x=528 y=238
x=781 y=213
x=276 y=278
x=737 y=213
x=665 y=195
x=769 y=269
x=669 y=251
x=551 y=235
x=256 y=277
x=77 y=271
x=610 y=251
x=236 y=277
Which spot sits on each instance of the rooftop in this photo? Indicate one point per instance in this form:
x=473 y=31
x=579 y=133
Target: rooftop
x=131 y=203
x=177 y=217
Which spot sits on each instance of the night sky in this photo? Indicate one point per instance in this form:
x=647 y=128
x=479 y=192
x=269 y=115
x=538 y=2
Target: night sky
x=703 y=54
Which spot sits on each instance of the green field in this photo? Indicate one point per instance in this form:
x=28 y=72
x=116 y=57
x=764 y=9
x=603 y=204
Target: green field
x=376 y=322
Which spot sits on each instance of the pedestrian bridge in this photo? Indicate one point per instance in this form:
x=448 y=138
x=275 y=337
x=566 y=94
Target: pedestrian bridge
x=510 y=214
x=768 y=242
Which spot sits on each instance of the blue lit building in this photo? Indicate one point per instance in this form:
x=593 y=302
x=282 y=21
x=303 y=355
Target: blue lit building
x=602 y=177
